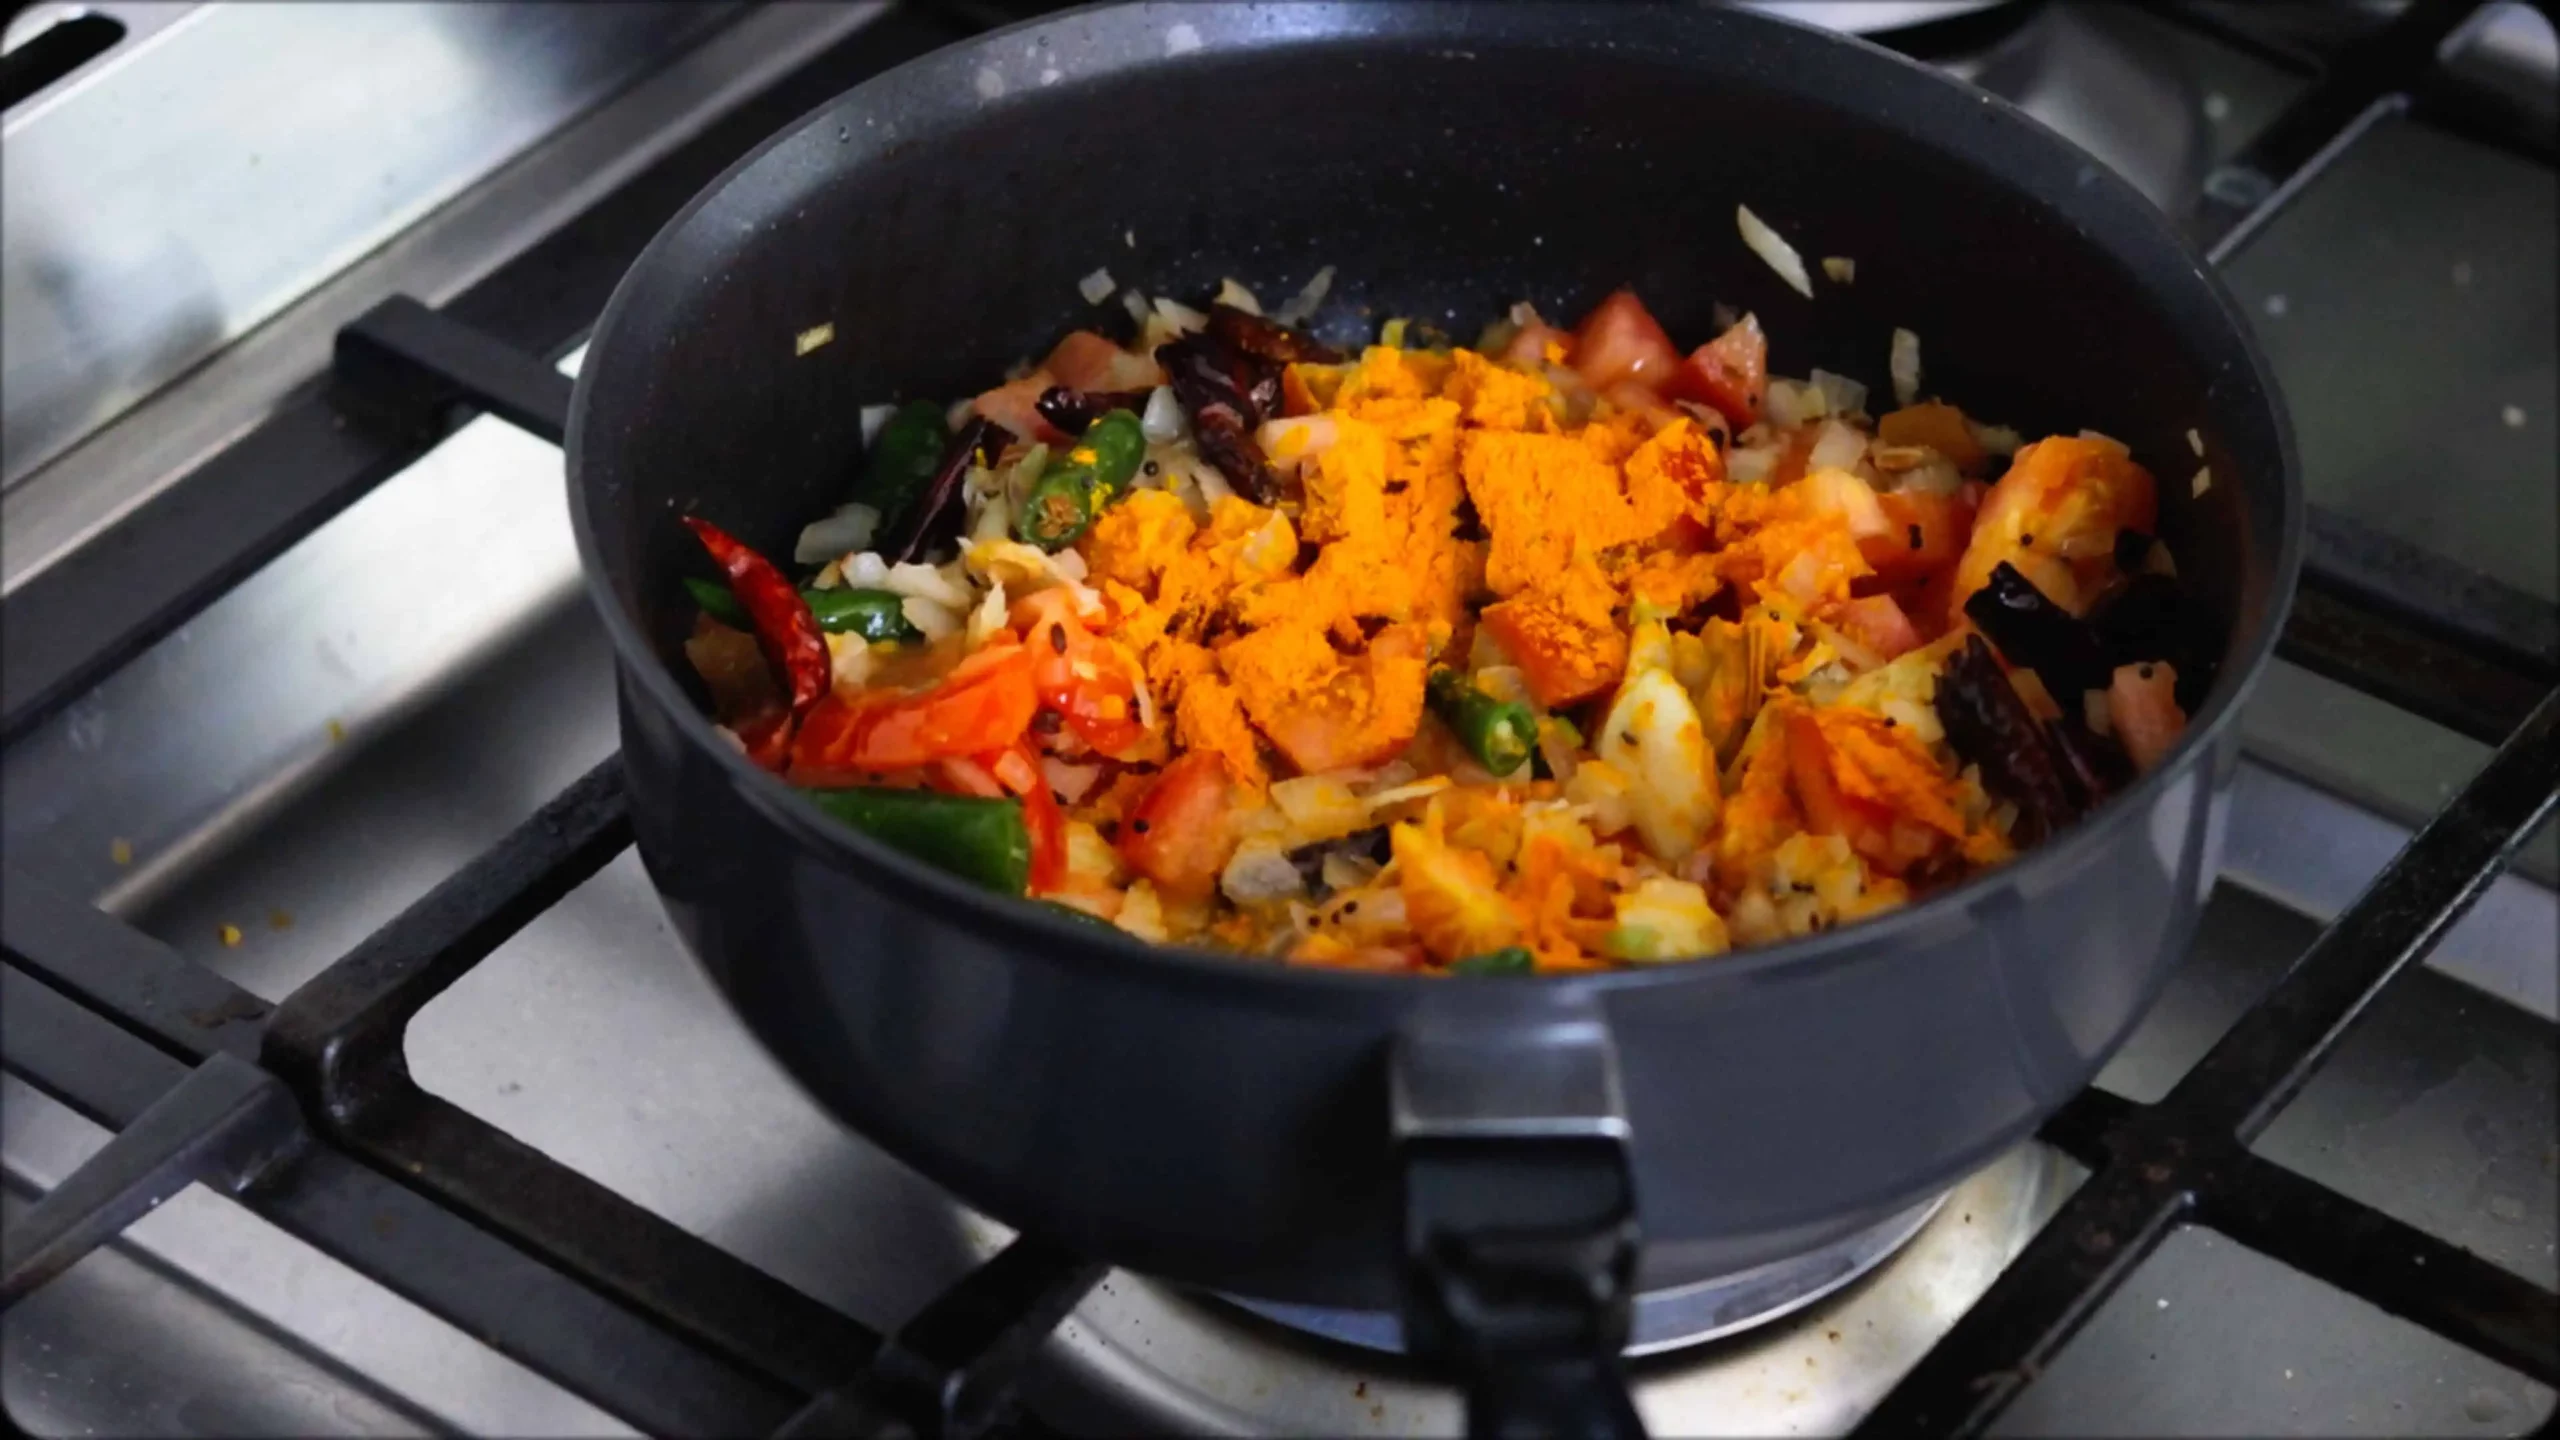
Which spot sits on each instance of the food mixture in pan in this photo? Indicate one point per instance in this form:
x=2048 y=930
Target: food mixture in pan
x=1563 y=650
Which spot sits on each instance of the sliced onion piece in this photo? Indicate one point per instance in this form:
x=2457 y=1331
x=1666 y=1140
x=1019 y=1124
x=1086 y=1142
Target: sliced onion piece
x=1905 y=367
x=1304 y=303
x=1773 y=248
x=1751 y=465
x=873 y=417
x=850 y=528
x=1837 y=446
x=1232 y=292
x=1096 y=287
x=1840 y=394
x=1163 y=420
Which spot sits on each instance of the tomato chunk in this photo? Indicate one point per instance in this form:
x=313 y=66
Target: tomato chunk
x=983 y=705
x=1620 y=340
x=2143 y=701
x=1176 y=835
x=1086 y=361
x=1014 y=405
x=1878 y=623
x=1018 y=771
x=1078 y=674
x=1925 y=533
x=1730 y=372
x=1528 y=349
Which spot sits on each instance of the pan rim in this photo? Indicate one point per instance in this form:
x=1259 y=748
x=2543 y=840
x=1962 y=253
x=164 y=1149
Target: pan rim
x=1019 y=924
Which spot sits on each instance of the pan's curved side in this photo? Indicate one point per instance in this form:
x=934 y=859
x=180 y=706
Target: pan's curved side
x=1223 y=1123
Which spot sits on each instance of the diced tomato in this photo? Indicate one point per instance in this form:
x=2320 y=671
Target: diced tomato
x=1013 y=405
x=1018 y=771
x=965 y=775
x=1528 y=349
x=1926 y=533
x=1562 y=658
x=984 y=704
x=1086 y=361
x=1083 y=678
x=1877 y=622
x=1176 y=834
x=1867 y=827
x=2142 y=705
x=1620 y=340
x=1730 y=372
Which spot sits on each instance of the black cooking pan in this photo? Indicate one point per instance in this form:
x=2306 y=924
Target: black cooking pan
x=1349 y=1139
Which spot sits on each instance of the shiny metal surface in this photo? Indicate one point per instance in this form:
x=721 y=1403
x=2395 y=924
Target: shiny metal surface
x=1665 y=1320
x=156 y=442
x=282 y=142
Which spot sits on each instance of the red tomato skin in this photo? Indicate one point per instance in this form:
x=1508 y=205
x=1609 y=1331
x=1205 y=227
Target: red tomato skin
x=1620 y=340
x=1176 y=834
x=1944 y=524
x=1014 y=405
x=1878 y=622
x=985 y=704
x=1730 y=373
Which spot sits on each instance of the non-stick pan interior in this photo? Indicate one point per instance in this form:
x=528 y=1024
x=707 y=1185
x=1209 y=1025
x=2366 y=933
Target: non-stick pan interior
x=1446 y=161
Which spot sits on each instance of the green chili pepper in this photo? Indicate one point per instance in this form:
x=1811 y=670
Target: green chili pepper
x=716 y=601
x=871 y=614
x=904 y=457
x=1509 y=960
x=1632 y=942
x=974 y=837
x=1058 y=508
x=1081 y=481
x=1501 y=734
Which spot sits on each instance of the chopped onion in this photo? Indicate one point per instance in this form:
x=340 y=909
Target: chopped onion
x=1936 y=475
x=2195 y=442
x=1840 y=269
x=866 y=571
x=937 y=622
x=1069 y=564
x=1213 y=486
x=1996 y=439
x=1135 y=302
x=815 y=337
x=1096 y=287
x=988 y=618
x=1293 y=440
x=1840 y=394
x=1771 y=247
x=1751 y=465
x=1071 y=783
x=2097 y=713
x=1838 y=493
x=1802 y=578
x=2202 y=482
x=1837 y=446
x=1260 y=871
x=994 y=521
x=1905 y=366
x=848 y=661
x=1724 y=316
x=850 y=528
x=1181 y=317
x=959 y=414
x=924 y=582
x=1163 y=420
x=1791 y=403
x=1398 y=794
x=1304 y=303
x=873 y=417
x=1231 y=292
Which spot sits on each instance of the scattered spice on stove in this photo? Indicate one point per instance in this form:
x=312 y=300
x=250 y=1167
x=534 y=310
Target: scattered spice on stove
x=230 y=936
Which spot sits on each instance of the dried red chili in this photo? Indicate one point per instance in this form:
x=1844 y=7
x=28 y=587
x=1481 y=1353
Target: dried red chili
x=783 y=624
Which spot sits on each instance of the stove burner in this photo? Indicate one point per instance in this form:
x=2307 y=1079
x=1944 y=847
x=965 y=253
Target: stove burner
x=1664 y=1319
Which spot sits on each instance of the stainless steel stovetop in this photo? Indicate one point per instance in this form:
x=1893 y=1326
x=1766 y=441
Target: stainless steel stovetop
x=313 y=752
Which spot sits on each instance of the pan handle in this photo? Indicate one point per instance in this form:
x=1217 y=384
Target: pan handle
x=1519 y=1219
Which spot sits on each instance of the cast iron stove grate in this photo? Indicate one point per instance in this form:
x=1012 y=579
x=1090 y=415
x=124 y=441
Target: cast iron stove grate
x=306 y=1112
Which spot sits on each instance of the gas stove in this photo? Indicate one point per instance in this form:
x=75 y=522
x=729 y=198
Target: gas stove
x=372 y=1093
